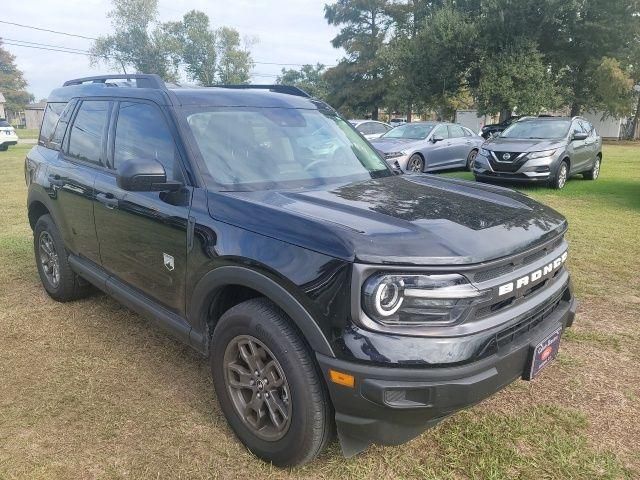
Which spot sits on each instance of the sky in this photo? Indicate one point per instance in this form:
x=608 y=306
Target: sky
x=287 y=31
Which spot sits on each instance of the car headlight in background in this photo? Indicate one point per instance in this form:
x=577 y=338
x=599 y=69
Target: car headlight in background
x=485 y=152
x=544 y=153
x=415 y=299
x=394 y=154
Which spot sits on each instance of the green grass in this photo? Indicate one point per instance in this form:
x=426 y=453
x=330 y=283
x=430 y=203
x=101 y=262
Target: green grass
x=91 y=390
x=28 y=133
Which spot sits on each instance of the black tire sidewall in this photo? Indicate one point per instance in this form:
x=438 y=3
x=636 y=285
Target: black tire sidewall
x=297 y=440
x=45 y=224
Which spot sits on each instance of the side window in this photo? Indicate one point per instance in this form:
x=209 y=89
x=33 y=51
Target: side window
x=365 y=128
x=88 y=130
x=467 y=132
x=441 y=130
x=575 y=127
x=455 y=131
x=142 y=133
x=586 y=126
x=61 y=127
x=51 y=116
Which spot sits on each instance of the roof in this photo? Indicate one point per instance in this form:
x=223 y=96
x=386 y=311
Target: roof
x=2 y=99
x=151 y=87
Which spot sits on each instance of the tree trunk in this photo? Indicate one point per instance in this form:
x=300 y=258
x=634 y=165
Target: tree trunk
x=575 y=109
x=634 y=132
x=409 y=113
x=374 y=113
x=504 y=114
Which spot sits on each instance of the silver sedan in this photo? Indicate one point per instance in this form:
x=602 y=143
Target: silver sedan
x=429 y=146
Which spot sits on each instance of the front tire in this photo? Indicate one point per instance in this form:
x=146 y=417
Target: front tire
x=60 y=282
x=268 y=386
x=415 y=163
x=594 y=173
x=561 y=176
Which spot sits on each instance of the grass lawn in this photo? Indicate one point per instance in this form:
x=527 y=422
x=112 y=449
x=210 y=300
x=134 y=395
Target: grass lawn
x=28 y=133
x=90 y=390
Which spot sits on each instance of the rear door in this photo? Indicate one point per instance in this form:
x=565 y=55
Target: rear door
x=460 y=146
x=71 y=174
x=143 y=235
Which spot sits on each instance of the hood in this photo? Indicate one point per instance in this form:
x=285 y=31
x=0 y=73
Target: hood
x=386 y=145
x=405 y=219
x=501 y=144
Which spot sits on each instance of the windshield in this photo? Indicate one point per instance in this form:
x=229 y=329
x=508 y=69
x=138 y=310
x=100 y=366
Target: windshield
x=539 y=129
x=247 y=148
x=413 y=131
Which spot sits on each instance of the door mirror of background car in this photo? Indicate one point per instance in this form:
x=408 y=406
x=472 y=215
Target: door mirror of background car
x=437 y=138
x=144 y=176
x=580 y=136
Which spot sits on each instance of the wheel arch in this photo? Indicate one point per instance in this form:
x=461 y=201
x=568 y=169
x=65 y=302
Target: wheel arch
x=36 y=210
x=226 y=286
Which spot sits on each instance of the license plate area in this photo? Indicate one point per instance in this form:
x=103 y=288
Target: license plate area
x=543 y=354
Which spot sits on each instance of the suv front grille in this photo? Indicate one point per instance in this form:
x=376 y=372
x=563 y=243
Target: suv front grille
x=512 y=164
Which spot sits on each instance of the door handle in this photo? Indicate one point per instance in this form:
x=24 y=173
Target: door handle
x=108 y=200
x=56 y=181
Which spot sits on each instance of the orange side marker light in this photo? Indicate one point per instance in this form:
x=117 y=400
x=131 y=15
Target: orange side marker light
x=342 y=378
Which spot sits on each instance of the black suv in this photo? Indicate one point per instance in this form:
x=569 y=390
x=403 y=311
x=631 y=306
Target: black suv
x=259 y=227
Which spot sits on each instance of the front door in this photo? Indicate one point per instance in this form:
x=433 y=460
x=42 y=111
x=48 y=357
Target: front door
x=580 y=148
x=460 y=146
x=143 y=235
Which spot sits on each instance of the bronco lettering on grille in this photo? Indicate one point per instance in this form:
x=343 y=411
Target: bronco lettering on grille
x=533 y=276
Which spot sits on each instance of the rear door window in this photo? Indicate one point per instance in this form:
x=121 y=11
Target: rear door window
x=88 y=131
x=377 y=128
x=455 y=131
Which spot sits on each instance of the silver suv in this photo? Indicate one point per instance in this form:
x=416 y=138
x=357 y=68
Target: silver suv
x=541 y=149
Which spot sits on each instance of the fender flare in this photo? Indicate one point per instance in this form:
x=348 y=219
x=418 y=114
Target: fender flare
x=234 y=275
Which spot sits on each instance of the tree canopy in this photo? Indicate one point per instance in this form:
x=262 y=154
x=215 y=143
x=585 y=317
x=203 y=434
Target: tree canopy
x=12 y=83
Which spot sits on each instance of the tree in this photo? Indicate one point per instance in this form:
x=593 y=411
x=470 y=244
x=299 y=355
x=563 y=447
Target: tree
x=189 y=47
x=12 y=82
x=309 y=78
x=358 y=83
x=137 y=40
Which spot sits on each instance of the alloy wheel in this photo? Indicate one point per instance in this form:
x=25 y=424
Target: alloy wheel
x=49 y=259
x=258 y=387
x=415 y=164
x=562 y=175
x=596 y=169
x=471 y=160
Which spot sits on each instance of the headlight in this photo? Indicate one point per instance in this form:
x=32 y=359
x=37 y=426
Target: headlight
x=394 y=299
x=484 y=152
x=544 y=153
x=394 y=154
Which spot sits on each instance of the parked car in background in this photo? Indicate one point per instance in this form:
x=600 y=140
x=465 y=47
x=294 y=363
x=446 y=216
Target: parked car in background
x=397 y=121
x=371 y=128
x=547 y=150
x=494 y=128
x=429 y=146
x=8 y=135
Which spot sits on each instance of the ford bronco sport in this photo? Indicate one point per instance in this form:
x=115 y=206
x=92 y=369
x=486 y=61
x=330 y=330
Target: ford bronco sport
x=328 y=293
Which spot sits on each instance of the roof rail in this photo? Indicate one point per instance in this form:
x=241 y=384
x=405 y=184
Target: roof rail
x=288 y=89
x=143 y=80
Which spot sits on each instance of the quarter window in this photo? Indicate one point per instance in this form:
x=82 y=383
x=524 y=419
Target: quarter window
x=51 y=116
x=85 y=138
x=142 y=133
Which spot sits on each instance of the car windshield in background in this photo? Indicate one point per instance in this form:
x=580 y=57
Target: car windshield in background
x=4 y=123
x=539 y=129
x=267 y=148
x=410 y=131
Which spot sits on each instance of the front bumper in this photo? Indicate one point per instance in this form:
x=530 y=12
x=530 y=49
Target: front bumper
x=389 y=406
x=528 y=170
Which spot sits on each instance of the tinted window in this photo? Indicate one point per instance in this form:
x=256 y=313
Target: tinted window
x=51 y=116
x=4 y=123
x=65 y=118
x=441 y=131
x=455 y=131
x=142 y=133
x=537 y=129
x=263 y=148
x=87 y=131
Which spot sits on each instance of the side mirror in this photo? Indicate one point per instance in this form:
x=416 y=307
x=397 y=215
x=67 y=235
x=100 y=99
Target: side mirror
x=437 y=138
x=580 y=136
x=144 y=176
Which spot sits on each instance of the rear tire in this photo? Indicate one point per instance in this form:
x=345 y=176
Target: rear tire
x=60 y=282
x=259 y=362
x=562 y=175
x=594 y=173
x=4 y=148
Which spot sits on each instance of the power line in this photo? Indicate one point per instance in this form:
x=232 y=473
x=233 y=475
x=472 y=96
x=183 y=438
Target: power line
x=45 y=45
x=47 y=30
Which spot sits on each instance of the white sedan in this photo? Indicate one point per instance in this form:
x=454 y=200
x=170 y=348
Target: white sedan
x=7 y=135
x=371 y=128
